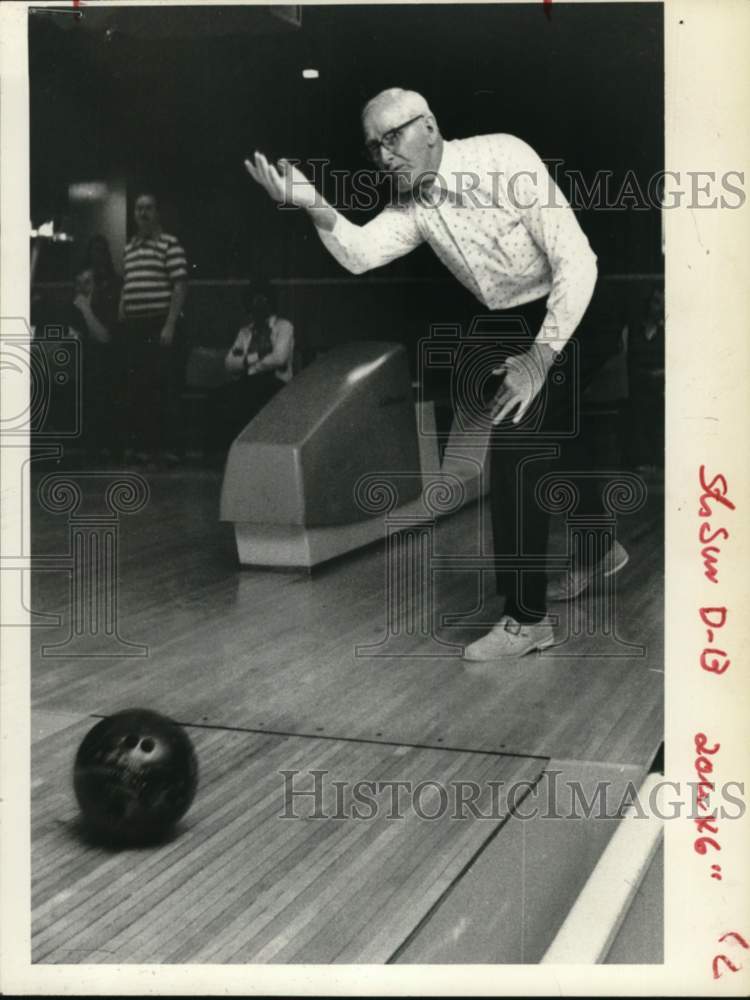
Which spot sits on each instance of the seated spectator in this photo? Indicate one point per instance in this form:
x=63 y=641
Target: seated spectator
x=259 y=362
x=87 y=320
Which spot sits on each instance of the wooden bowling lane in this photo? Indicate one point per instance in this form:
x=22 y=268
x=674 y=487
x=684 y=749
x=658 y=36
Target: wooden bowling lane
x=275 y=651
x=240 y=883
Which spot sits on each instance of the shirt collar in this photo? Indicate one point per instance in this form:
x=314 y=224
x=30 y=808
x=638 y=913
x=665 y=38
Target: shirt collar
x=145 y=239
x=450 y=166
x=447 y=179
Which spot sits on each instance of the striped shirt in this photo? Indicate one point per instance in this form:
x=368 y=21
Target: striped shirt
x=151 y=268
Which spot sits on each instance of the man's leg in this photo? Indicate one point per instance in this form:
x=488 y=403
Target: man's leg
x=145 y=387
x=520 y=455
x=134 y=386
x=579 y=459
x=520 y=526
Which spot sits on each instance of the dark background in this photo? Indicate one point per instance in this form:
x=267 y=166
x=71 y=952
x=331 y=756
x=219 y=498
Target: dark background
x=175 y=99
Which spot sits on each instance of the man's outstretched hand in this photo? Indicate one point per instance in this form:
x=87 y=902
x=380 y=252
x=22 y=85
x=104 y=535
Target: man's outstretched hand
x=284 y=182
x=524 y=377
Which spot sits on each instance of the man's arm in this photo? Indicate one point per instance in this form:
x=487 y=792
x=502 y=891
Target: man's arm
x=550 y=220
x=391 y=234
x=179 y=293
x=235 y=361
x=177 y=269
x=96 y=328
x=279 y=356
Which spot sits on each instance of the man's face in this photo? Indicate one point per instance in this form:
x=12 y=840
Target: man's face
x=146 y=215
x=412 y=155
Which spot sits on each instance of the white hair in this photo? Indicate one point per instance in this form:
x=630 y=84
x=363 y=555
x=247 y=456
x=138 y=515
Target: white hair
x=411 y=102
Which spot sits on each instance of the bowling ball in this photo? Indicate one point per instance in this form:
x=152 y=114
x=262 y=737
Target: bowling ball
x=135 y=775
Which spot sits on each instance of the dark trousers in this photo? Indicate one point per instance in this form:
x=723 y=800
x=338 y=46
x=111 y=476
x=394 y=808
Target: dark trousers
x=103 y=395
x=154 y=377
x=237 y=402
x=548 y=439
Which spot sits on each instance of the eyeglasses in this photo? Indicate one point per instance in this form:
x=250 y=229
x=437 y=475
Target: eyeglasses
x=389 y=139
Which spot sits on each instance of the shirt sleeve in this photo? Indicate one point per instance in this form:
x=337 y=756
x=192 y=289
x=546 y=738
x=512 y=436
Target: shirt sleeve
x=391 y=234
x=281 y=338
x=76 y=323
x=176 y=262
x=548 y=217
x=234 y=362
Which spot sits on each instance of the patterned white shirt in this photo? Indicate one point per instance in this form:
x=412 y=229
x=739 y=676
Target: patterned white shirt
x=497 y=220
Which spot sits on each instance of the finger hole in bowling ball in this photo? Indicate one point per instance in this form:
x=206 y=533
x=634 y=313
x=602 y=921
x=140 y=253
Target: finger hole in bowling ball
x=134 y=799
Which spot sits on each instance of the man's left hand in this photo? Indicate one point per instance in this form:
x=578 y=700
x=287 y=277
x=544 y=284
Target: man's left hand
x=167 y=335
x=524 y=376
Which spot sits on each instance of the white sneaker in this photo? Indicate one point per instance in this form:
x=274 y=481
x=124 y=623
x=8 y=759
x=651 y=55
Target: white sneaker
x=570 y=584
x=509 y=638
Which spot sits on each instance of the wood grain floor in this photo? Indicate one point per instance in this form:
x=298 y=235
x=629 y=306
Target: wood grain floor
x=274 y=651
x=263 y=668
x=241 y=883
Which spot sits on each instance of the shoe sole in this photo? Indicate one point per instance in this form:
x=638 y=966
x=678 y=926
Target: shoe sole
x=608 y=572
x=543 y=644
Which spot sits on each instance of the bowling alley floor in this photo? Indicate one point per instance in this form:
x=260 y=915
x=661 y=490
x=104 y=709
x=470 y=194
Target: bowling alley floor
x=287 y=677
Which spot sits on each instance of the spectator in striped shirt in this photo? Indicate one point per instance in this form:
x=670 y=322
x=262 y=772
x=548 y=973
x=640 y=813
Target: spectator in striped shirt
x=153 y=294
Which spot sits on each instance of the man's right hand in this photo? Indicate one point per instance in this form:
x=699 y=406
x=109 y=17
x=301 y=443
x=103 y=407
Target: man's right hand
x=286 y=185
